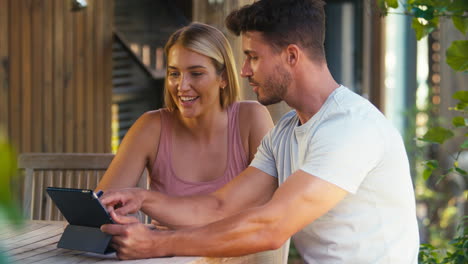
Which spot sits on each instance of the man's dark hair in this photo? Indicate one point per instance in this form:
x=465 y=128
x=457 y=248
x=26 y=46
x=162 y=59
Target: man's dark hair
x=284 y=22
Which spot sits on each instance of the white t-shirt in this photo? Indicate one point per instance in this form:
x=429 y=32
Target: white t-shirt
x=349 y=143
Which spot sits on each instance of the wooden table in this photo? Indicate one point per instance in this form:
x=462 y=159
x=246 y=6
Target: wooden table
x=36 y=242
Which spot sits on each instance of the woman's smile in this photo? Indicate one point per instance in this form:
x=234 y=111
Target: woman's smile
x=186 y=101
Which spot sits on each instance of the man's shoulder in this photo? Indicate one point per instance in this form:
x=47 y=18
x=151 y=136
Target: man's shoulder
x=287 y=120
x=283 y=127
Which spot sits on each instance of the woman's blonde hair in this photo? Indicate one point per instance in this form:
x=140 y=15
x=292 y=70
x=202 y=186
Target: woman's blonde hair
x=211 y=42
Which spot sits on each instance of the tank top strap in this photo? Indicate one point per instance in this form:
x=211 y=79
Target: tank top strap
x=237 y=156
x=165 y=139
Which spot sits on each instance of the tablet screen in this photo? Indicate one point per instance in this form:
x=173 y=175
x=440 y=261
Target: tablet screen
x=79 y=206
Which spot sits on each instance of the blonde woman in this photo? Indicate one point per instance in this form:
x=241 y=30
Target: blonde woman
x=204 y=137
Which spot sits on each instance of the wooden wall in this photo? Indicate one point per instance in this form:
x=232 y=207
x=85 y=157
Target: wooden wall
x=214 y=13
x=55 y=75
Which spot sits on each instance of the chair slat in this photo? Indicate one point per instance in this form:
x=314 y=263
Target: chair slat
x=70 y=170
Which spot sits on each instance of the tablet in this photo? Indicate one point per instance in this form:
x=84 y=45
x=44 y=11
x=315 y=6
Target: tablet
x=80 y=206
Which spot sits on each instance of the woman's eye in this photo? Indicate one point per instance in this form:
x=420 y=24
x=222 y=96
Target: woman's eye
x=173 y=74
x=195 y=74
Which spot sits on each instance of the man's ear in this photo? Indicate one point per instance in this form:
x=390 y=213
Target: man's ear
x=292 y=53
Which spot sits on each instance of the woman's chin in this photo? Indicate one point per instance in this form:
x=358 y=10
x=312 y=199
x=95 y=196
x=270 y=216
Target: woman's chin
x=188 y=113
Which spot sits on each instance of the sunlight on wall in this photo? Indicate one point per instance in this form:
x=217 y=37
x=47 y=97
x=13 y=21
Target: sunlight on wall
x=115 y=128
x=422 y=92
x=394 y=69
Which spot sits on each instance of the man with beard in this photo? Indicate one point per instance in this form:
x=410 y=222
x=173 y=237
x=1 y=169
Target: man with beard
x=333 y=173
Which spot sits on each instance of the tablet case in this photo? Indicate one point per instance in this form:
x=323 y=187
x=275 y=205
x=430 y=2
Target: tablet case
x=85 y=215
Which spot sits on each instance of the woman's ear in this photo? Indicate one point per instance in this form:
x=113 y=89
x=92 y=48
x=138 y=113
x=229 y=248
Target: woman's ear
x=223 y=84
x=224 y=81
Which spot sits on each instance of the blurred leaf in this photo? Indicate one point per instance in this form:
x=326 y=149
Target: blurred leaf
x=382 y=7
x=458 y=121
x=458 y=6
x=430 y=166
x=461 y=23
x=413 y=3
x=427 y=173
x=427 y=13
x=392 y=3
x=460 y=107
x=425 y=29
x=457 y=55
x=437 y=135
x=461 y=95
x=8 y=170
x=464 y=145
x=461 y=171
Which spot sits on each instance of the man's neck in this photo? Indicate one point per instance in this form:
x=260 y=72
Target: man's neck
x=312 y=86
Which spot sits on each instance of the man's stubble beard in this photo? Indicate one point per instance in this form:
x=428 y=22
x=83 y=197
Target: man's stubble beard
x=275 y=87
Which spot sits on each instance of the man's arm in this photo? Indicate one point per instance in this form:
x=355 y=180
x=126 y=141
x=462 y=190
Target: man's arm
x=250 y=188
x=299 y=201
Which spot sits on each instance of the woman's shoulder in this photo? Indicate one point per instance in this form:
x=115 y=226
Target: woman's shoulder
x=253 y=115
x=251 y=111
x=151 y=119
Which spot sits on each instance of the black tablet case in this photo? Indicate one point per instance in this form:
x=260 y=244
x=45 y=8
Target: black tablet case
x=85 y=215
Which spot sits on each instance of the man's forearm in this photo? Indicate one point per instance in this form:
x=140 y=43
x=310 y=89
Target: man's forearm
x=181 y=212
x=248 y=232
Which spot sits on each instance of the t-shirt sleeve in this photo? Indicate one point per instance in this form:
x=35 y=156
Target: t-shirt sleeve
x=264 y=159
x=343 y=152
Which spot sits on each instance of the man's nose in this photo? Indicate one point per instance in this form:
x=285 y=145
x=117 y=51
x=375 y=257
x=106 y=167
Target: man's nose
x=246 y=71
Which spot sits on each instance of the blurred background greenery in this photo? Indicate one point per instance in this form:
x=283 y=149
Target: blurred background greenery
x=9 y=208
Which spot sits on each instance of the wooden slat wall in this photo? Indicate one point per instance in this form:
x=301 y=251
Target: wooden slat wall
x=4 y=47
x=55 y=75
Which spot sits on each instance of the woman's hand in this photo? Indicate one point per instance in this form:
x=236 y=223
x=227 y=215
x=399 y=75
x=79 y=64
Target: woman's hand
x=123 y=201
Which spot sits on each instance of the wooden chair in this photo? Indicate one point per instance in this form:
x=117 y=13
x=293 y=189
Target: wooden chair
x=71 y=170
x=75 y=170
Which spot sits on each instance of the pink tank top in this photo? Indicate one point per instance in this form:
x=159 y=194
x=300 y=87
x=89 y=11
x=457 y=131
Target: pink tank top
x=163 y=177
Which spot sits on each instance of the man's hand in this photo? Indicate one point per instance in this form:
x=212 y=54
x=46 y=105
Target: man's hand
x=123 y=201
x=131 y=239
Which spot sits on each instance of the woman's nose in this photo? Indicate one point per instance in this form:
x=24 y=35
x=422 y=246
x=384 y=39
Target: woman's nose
x=184 y=84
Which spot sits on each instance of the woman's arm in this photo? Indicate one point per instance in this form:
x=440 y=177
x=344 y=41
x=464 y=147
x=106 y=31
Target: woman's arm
x=255 y=123
x=137 y=150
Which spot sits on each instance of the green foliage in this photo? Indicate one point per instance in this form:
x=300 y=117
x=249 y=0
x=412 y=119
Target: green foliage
x=437 y=135
x=457 y=55
x=462 y=97
x=423 y=28
x=458 y=121
x=464 y=145
x=8 y=171
x=430 y=166
x=427 y=254
x=384 y=5
x=458 y=8
x=9 y=211
x=426 y=14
